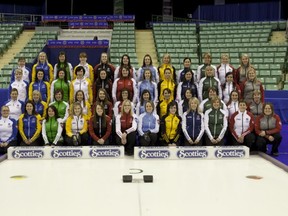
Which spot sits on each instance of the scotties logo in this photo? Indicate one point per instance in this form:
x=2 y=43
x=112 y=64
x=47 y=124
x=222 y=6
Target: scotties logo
x=96 y=152
x=147 y=154
x=229 y=153
x=182 y=154
x=19 y=154
x=66 y=153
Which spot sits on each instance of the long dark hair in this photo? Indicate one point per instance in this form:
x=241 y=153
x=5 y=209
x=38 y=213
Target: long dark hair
x=55 y=111
x=97 y=117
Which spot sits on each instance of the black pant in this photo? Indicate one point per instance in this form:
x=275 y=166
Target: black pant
x=249 y=140
x=3 y=150
x=129 y=146
x=261 y=143
x=82 y=141
x=152 y=142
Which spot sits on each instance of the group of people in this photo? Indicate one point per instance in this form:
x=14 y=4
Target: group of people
x=82 y=105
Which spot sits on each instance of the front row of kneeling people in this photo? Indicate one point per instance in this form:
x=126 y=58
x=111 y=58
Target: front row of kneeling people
x=72 y=126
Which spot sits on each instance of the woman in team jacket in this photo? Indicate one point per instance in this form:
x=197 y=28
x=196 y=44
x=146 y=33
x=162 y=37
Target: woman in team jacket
x=268 y=126
x=29 y=126
x=170 y=126
x=241 y=125
x=100 y=126
x=215 y=122
x=148 y=126
x=77 y=126
x=193 y=124
x=126 y=126
x=52 y=128
x=8 y=130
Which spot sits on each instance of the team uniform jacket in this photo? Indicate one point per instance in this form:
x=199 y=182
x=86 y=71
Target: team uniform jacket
x=241 y=124
x=88 y=73
x=255 y=108
x=76 y=124
x=270 y=124
x=247 y=90
x=16 y=108
x=183 y=86
x=200 y=73
x=227 y=89
x=170 y=84
x=29 y=126
x=43 y=87
x=100 y=132
x=151 y=87
x=148 y=122
x=51 y=130
x=48 y=71
x=183 y=106
x=240 y=74
x=193 y=125
x=124 y=82
x=132 y=73
x=41 y=108
x=170 y=127
x=109 y=68
x=84 y=85
x=60 y=84
x=207 y=104
x=105 y=84
x=125 y=123
x=162 y=107
x=204 y=85
x=222 y=70
x=180 y=75
x=68 y=69
x=63 y=109
x=8 y=129
x=22 y=87
x=154 y=72
x=26 y=74
x=162 y=68
x=215 y=122
x=232 y=107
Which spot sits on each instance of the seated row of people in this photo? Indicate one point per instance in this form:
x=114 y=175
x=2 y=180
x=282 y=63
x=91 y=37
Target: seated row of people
x=193 y=128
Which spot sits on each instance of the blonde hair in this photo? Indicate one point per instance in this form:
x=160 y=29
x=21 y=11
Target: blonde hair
x=194 y=99
x=127 y=101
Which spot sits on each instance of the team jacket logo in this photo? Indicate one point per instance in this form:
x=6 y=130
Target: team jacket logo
x=96 y=152
x=229 y=153
x=19 y=154
x=190 y=153
x=147 y=154
x=66 y=153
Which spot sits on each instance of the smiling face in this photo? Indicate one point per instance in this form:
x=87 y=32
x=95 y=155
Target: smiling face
x=5 y=111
